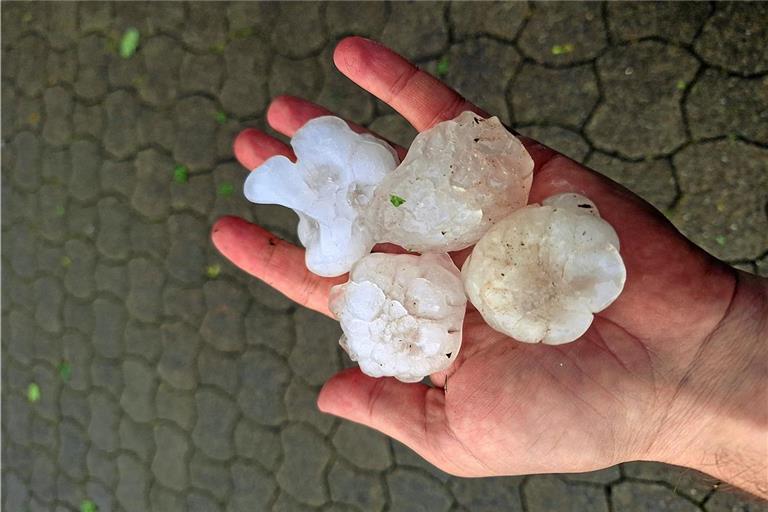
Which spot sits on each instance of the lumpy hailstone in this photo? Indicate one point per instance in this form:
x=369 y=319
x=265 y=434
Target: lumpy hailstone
x=458 y=178
x=329 y=187
x=401 y=314
x=540 y=274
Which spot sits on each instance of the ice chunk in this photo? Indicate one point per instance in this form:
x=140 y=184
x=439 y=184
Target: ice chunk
x=401 y=314
x=329 y=187
x=459 y=178
x=541 y=273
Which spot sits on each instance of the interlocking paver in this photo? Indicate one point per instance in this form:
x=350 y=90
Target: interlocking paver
x=643 y=497
x=305 y=457
x=488 y=494
x=544 y=493
x=674 y=21
x=732 y=37
x=412 y=490
x=216 y=417
x=653 y=180
x=357 y=488
x=362 y=446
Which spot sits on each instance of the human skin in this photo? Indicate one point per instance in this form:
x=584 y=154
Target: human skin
x=675 y=370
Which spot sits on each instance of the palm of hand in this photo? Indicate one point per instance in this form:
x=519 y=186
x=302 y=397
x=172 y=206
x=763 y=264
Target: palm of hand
x=506 y=407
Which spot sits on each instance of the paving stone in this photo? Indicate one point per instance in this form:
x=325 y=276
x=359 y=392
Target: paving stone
x=100 y=495
x=315 y=355
x=149 y=239
x=199 y=502
x=216 y=416
x=81 y=220
x=29 y=113
x=62 y=25
x=86 y=161
x=48 y=296
x=22 y=253
x=163 y=499
x=678 y=22
x=306 y=19
x=306 y=456
x=153 y=172
x=170 y=462
x=58 y=111
x=26 y=148
x=76 y=349
x=105 y=421
x=133 y=484
x=223 y=326
x=8 y=114
x=258 y=443
x=648 y=496
x=112 y=279
x=230 y=175
x=156 y=128
x=723 y=105
x=88 y=119
x=144 y=299
x=480 y=70
x=416 y=29
x=112 y=239
x=196 y=134
x=106 y=374
x=186 y=257
x=175 y=405
x=205 y=27
x=498 y=19
x=209 y=475
x=77 y=315
x=43 y=433
x=246 y=18
x=263 y=380
x=201 y=73
x=177 y=363
x=301 y=404
x=404 y=456
x=487 y=494
x=44 y=473
x=30 y=77
x=73 y=447
x=356 y=488
x=50 y=384
x=266 y=328
x=550 y=493
x=17 y=423
x=61 y=67
x=557 y=96
x=300 y=78
x=641 y=114
x=244 y=90
x=80 y=268
x=727 y=501
x=366 y=19
x=69 y=492
x=95 y=16
x=22 y=334
x=92 y=56
x=733 y=38
x=56 y=165
x=285 y=503
x=121 y=136
x=362 y=446
x=217 y=369
x=15 y=492
x=140 y=385
x=186 y=304
x=685 y=481
x=253 y=488
x=162 y=61
x=16 y=458
x=602 y=477
x=566 y=141
x=652 y=180
x=726 y=177
x=578 y=26
x=137 y=438
x=412 y=490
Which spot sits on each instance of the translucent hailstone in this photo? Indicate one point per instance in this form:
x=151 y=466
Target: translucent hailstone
x=401 y=314
x=541 y=273
x=458 y=178
x=330 y=186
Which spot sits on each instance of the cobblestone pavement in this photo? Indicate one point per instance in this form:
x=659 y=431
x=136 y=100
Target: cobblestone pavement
x=142 y=372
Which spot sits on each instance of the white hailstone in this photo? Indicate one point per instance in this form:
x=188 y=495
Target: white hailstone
x=330 y=186
x=401 y=314
x=540 y=274
x=458 y=178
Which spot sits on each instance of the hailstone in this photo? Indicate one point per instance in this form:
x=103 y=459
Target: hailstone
x=540 y=274
x=401 y=314
x=458 y=178
x=330 y=187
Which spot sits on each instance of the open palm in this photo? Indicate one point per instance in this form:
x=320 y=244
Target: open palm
x=506 y=407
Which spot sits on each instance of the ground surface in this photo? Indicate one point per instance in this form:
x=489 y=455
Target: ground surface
x=167 y=379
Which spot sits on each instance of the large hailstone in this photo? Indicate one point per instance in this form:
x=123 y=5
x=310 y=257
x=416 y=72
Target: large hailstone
x=329 y=187
x=540 y=274
x=458 y=178
x=401 y=314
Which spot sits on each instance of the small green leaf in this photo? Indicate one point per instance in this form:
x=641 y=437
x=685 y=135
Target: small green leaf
x=442 y=66
x=221 y=117
x=561 y=49
x=396 y=200
x=60 y=211
x=680 y=85
x=66 y=261
x=720 y=239
x=33 y=392
x=213 y=271
x=88 y=506
x=65 y=371
x=226 y=189
x=129 y=43
x=180 y=174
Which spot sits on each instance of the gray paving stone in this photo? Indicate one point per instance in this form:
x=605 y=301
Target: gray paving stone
x=177 y=363
x=217 y=369
x=102 y=466
x=684 y=481
x=186 y=255
x=304 y=461
x=153 y=173
x=487 y=494
x=253 y=488
x=156 y=128
x=362 y=446
x=142 y=340
x=342 y=96
x=726 y=177
x=300 y=78
x=301 y=405
x=43 y=433
x=92 y=56
x=137 y=438
x=550 y=493
x=75 y=348
x=17 y=424
x=314 y=357
x=26 y=148
x=417 y=30
x=133 y=484
x=112 y=279
x=210 y=475
x=605 y=476
x=163 y=499
x=205 y=27
x=199 y=502
x=480 y=70
x=727 y=501
x=56 y=165
x=566 y=141
x=44 y=473
x=30 y=77
x=733 y=38
x=498 y=19
x=258 y=443
x=673 y=21
x=175 y=405
x=263 y=380
x=266 y=328
x=247 y=18
x=653 y=180
x=230 y=175
x=120 y=136
x=73 y=447
x=196 y=126
x=69 y=492
x=80 y=267
x=149 y=239
x=201 y=73
x=223 y=326
x=410 y=489
x=244 y=91
x=100 y=495
x=558 y=96
x=22 y=333
x=62 y=25
x=88 y=119
x=48 y=296
x=52 y=223
x=216 y=417
x=357 y=488
x=162 y=62
x=82 y=220
x=140 y=385
x=15 y=492
x=95 y=16
x=22 y=253
x=29 y=113
x=144 y=299
x=58 y=111
x=169 y=464
x=366 y=19
x=105 y=421
x=306 y=19
x=50 y=384
x=105 y=374
x=86 y=161
x=648 y=496
x=184 y=303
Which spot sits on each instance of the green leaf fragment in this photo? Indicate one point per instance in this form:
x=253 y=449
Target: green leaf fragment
x=180 y=174
x=213 y=271
x=129 y=43
x=720 y=239
x=66 y=261
x=561 y=49
x=88 y=506
x=680 y=85
x=221 y=117
x=396 y=200
x=60 y=211
x=65 y=371
x=226 y=189
x=442 y=66
x=33 y=392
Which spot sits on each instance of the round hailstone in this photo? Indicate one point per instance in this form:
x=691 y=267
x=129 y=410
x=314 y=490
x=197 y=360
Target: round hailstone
x=329 y=187
x=401 y=314
x=540 y=274
x=459 y=178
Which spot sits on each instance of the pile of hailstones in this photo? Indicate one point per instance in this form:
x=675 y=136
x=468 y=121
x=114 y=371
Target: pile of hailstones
x=537 y=272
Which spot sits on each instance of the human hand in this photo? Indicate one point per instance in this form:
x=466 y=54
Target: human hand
x=669 y=372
